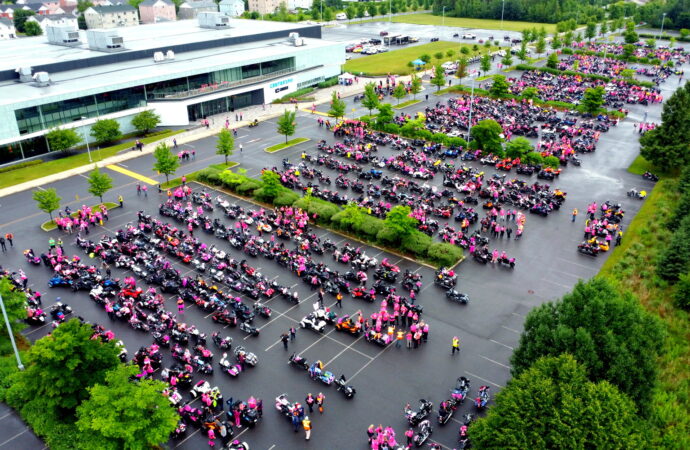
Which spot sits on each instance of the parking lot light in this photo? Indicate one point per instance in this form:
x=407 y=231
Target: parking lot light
x=20 y=366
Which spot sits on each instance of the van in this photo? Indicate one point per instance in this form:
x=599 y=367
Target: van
x=341 y=16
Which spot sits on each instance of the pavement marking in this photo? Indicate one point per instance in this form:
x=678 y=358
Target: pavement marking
x=500 y=343
x=128 y=166
x=317 y=341
x=577 y=264
x=8 y=414
x=273 y=345
x=134 y=175
x=14 y=437
x=510 y=329
x=519 y=315
x=483 y=379
x=557 y=284
x=495 y=362
x=315 y=112
x=349 y=347
x=370 y=361
x=271 y=447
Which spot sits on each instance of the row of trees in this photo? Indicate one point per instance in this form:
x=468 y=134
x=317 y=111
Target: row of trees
x=103 y=131
x=329 y=8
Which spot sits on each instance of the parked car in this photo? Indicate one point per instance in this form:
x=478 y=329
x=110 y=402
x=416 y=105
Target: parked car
x=434 y=39
x=469 y=36
x=341 y=16
x=414 y=39
x=383 y=33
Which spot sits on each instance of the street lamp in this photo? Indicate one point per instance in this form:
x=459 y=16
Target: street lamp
x=663 y=18
x=20 y=366
x=443 y=23
x=88 y=150
x=503 y=8
x=469 y=121
x=390 y=11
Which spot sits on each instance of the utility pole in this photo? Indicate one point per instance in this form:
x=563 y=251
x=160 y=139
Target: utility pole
x=20 y=366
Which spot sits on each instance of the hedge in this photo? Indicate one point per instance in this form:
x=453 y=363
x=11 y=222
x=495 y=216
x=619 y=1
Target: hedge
x=417 y=243
x=328 y=83
x=20 y=165
x=664 y=37
x=444 y=254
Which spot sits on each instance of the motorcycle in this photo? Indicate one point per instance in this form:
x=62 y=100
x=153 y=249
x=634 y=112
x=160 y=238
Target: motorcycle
x=650 y=176
x=348 y=390
x=423 y=434
x=634 y=193
x=247 y=328
x=316 y=372
x=457 y=297
x=226 y=366
x=297 y=361
x=415 y=417
x=262 y=310
x=222 y=343
x=462 y=387
x=483 y=398
x=242 y=354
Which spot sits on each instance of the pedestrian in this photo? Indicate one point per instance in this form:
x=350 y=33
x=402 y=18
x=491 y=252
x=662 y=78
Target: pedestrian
x=339 y=299
x=145 y=189
x=321 y=297
x=2 y=244
x=619 y=237
x=306 y=423
x=59 y=243
x=184 y=180
x=574 y=214
x=180 y=305
x=309 y=400
x=240 y=148
x=138 y=189
x=399 y=336
x=284 y=337
x=319 y=401
x=51 y=243
x=455 y=345
x=408 y=338
x=509 y=231
x=9 y=237
x=121 y=200
x=175 y=142
x=295 y=420
x=412 y=296
x=427 y=97
x=293 y=333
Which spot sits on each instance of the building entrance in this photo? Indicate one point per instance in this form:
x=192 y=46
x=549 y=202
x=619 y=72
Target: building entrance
x=224 y=105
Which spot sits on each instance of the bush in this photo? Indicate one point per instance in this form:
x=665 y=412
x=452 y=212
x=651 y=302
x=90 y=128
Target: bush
x=371 y=227
x=552 y=161
x=533 y=158
x=328 y=83
x=324 y=210
x=209 y=175
x=425 y=134
x=261 y=195
x=391 y=128
x=285 y=198
x=248 y=187
x=388 y=236
x=681 y=294
x=444 y=254
x=417 y=243
x=20 y=165
x=456 y=142
x=567 y=51
x=439 y=138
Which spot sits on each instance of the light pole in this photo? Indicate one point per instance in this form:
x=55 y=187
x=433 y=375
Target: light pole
x=321 y=11
x=390 y=11
x=88 y=150
x=20 y=366
x=663 y=19
x=503 y=8
x=469 y=120
x=443 y=22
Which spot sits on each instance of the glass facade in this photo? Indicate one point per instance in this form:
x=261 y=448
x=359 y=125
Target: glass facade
x=23 y=149
x=225 y=104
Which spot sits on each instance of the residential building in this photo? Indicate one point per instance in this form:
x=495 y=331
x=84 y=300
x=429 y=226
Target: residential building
x=232 y=8
x=43 y=8
x=7 y=30
x=54 y=20
x=185 y=71
x=152 y=11
x=111 y=16
x=264 y=6
x=191 y=9
x=293 y=5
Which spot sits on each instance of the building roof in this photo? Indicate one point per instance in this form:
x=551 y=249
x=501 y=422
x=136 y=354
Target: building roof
x=200 y=4
x=230 y=2
x=111 y=9
x=153 y=2
x=7 y=22
x=51 y=17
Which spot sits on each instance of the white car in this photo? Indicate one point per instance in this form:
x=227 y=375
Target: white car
x=341 y=16
x=382 y=49
x=312 y=321
x=414 y=39
x=469 y=36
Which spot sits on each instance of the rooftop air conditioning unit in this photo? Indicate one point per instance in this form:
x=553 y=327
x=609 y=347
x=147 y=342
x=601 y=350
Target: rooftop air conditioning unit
x=63 y=35
x=114 y=42
x=25 y=74
x=158 y=57
x=105 y=40
x=42 y=79
x=213 y=20
x=295 y=40
x=170 y=54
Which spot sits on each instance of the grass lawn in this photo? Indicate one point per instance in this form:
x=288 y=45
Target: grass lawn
x=50 y=225
x=485 y=24
x=632 y=266
x=395 y=61
x=284 y=145
x=192 y=175
x=641 y=165
x=406 y=104
x=24 y=174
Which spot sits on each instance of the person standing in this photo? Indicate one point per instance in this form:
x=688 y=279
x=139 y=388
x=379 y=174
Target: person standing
x=284 y=337
x=2 y=244
x=138 y=188
x=339 y=300
x=309 y=400
x=293 y=333
x=574 y=214
x=241 y=148
x=180 y=305
x=321 y=297
x=121 y=200
x=398 y=338
x=306 y=423
x=455 y=345
x=145 y=190
x=9 y=237
x=319 y=401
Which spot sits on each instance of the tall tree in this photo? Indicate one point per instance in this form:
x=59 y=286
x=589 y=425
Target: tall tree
x=593 y=99
x=370 y=100
x=99 y=183
x=553 y=405
x=385 y=114
x=507 y=60
x=225 y=143
x=145 y=121
x=485 y=63
x=337 y=106
x=674 y=259
x=522 y=53
x=606 y=330
x=486 y=136
x=166 y=161
x=48 y=200
x=106 y=130
x=15 y=305
x=271 y=184
x=540 y=46
x=591 y=30
x=400 y=220
x=287 y=124
x=62 y=366
x=415 y=86
x=399 y=92
x=62 y=139
x=463 y=63
x=20 y=16
x=127 y=412
x=439 y=79
x=552 y=61
x=500 y=87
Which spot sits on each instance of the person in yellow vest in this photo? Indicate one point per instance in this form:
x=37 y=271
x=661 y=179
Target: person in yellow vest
x=455 y=346
x=574 y=214
x=306 y=423
x=398 y=338
x=121 y=200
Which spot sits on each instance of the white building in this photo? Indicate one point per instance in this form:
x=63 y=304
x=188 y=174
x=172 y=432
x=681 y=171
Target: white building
x=264 y=6
x=293 y=5
x=7 y=30
x=111 y=16
x=54 y=20
x=232 y=8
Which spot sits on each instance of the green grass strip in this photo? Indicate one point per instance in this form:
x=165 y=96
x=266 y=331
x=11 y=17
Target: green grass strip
x=51 y=225
x=284 y=145
x=406 y=104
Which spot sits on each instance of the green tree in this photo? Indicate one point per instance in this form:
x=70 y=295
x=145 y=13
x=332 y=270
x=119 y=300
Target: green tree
x=540 y=46
x=287 y=124
x=370 y=100
x=126 y=412
x=518 y=147
x=486 y=136
x=337 y=106
x=674 y=260
x=351 y=217
x=399 y=92
x=631 y=37
x=591 y=30
x=628 y=74
x=568 y=38
x=400 y=220
x=83 y=5
x=603 y=28
x=32 y=28
x=553 y=405
x=385 y=114
x=415 y=86
x=667 y=146
x=145 y=121
x=628 y=51
x=106 y=130
x=438 y=56
x=166 y=161
x=62 y=366
x=530 y=93
x=426 y=58
x=463 y=63
x=500 y=87
x=20 y=16
x=681 y=293
x=485 y=63
x=464 y=50
x=62 y=139
x=522 y=53
x=99 y=183
x=552 y=162
x=593 y=99
x=606 y=330
x=351 y=12
x=48 y=200
x=450 y=54
x=439 y=79
x=526 y=35
x=15 y=306
x=651 y=43
x=552 y=61
x=225 y=144
x=556 y=42
x=507 y=60
x=533 y=159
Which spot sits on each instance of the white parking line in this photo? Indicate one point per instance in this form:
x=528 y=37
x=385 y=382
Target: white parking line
x=14 y=437
x=483 y=379
x=500 y=343
x=574 y=263
x=557 y=284
x=349 y=347
x=495 y=362
x=519 y=315
x=510 y=329
x=370 y=361
x=317 y=341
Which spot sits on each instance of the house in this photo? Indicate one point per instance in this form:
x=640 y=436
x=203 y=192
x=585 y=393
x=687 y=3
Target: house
x=264 y=6
x=7 y=30
x=232 y=8
x=7 y=11
x=111 y=16
x=294 y=5
x=190 y=9
x=44 y=8
x=152 y=11
x=54 y=20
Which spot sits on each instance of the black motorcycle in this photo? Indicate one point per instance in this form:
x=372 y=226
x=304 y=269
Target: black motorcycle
x=415 y=417
x=341 y=385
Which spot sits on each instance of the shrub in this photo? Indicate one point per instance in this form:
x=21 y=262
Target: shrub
x=248 y=186
x=328 y=83
x=20 y=165
x=681 y=294
x=391 y=128
x=533 y=158
x=285 y=198
x=567 y=51
x=552 y=161
x=456 y=142
x=324 y=210
x=444 y=254
x=261 y=195
x=417 y=243
x=439 y=138
x=388 y=236
x=209 y=175
x=371 y=227
x=425 y=134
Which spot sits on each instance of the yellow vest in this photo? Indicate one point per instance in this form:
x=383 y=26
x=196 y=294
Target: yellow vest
x=306 y=424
